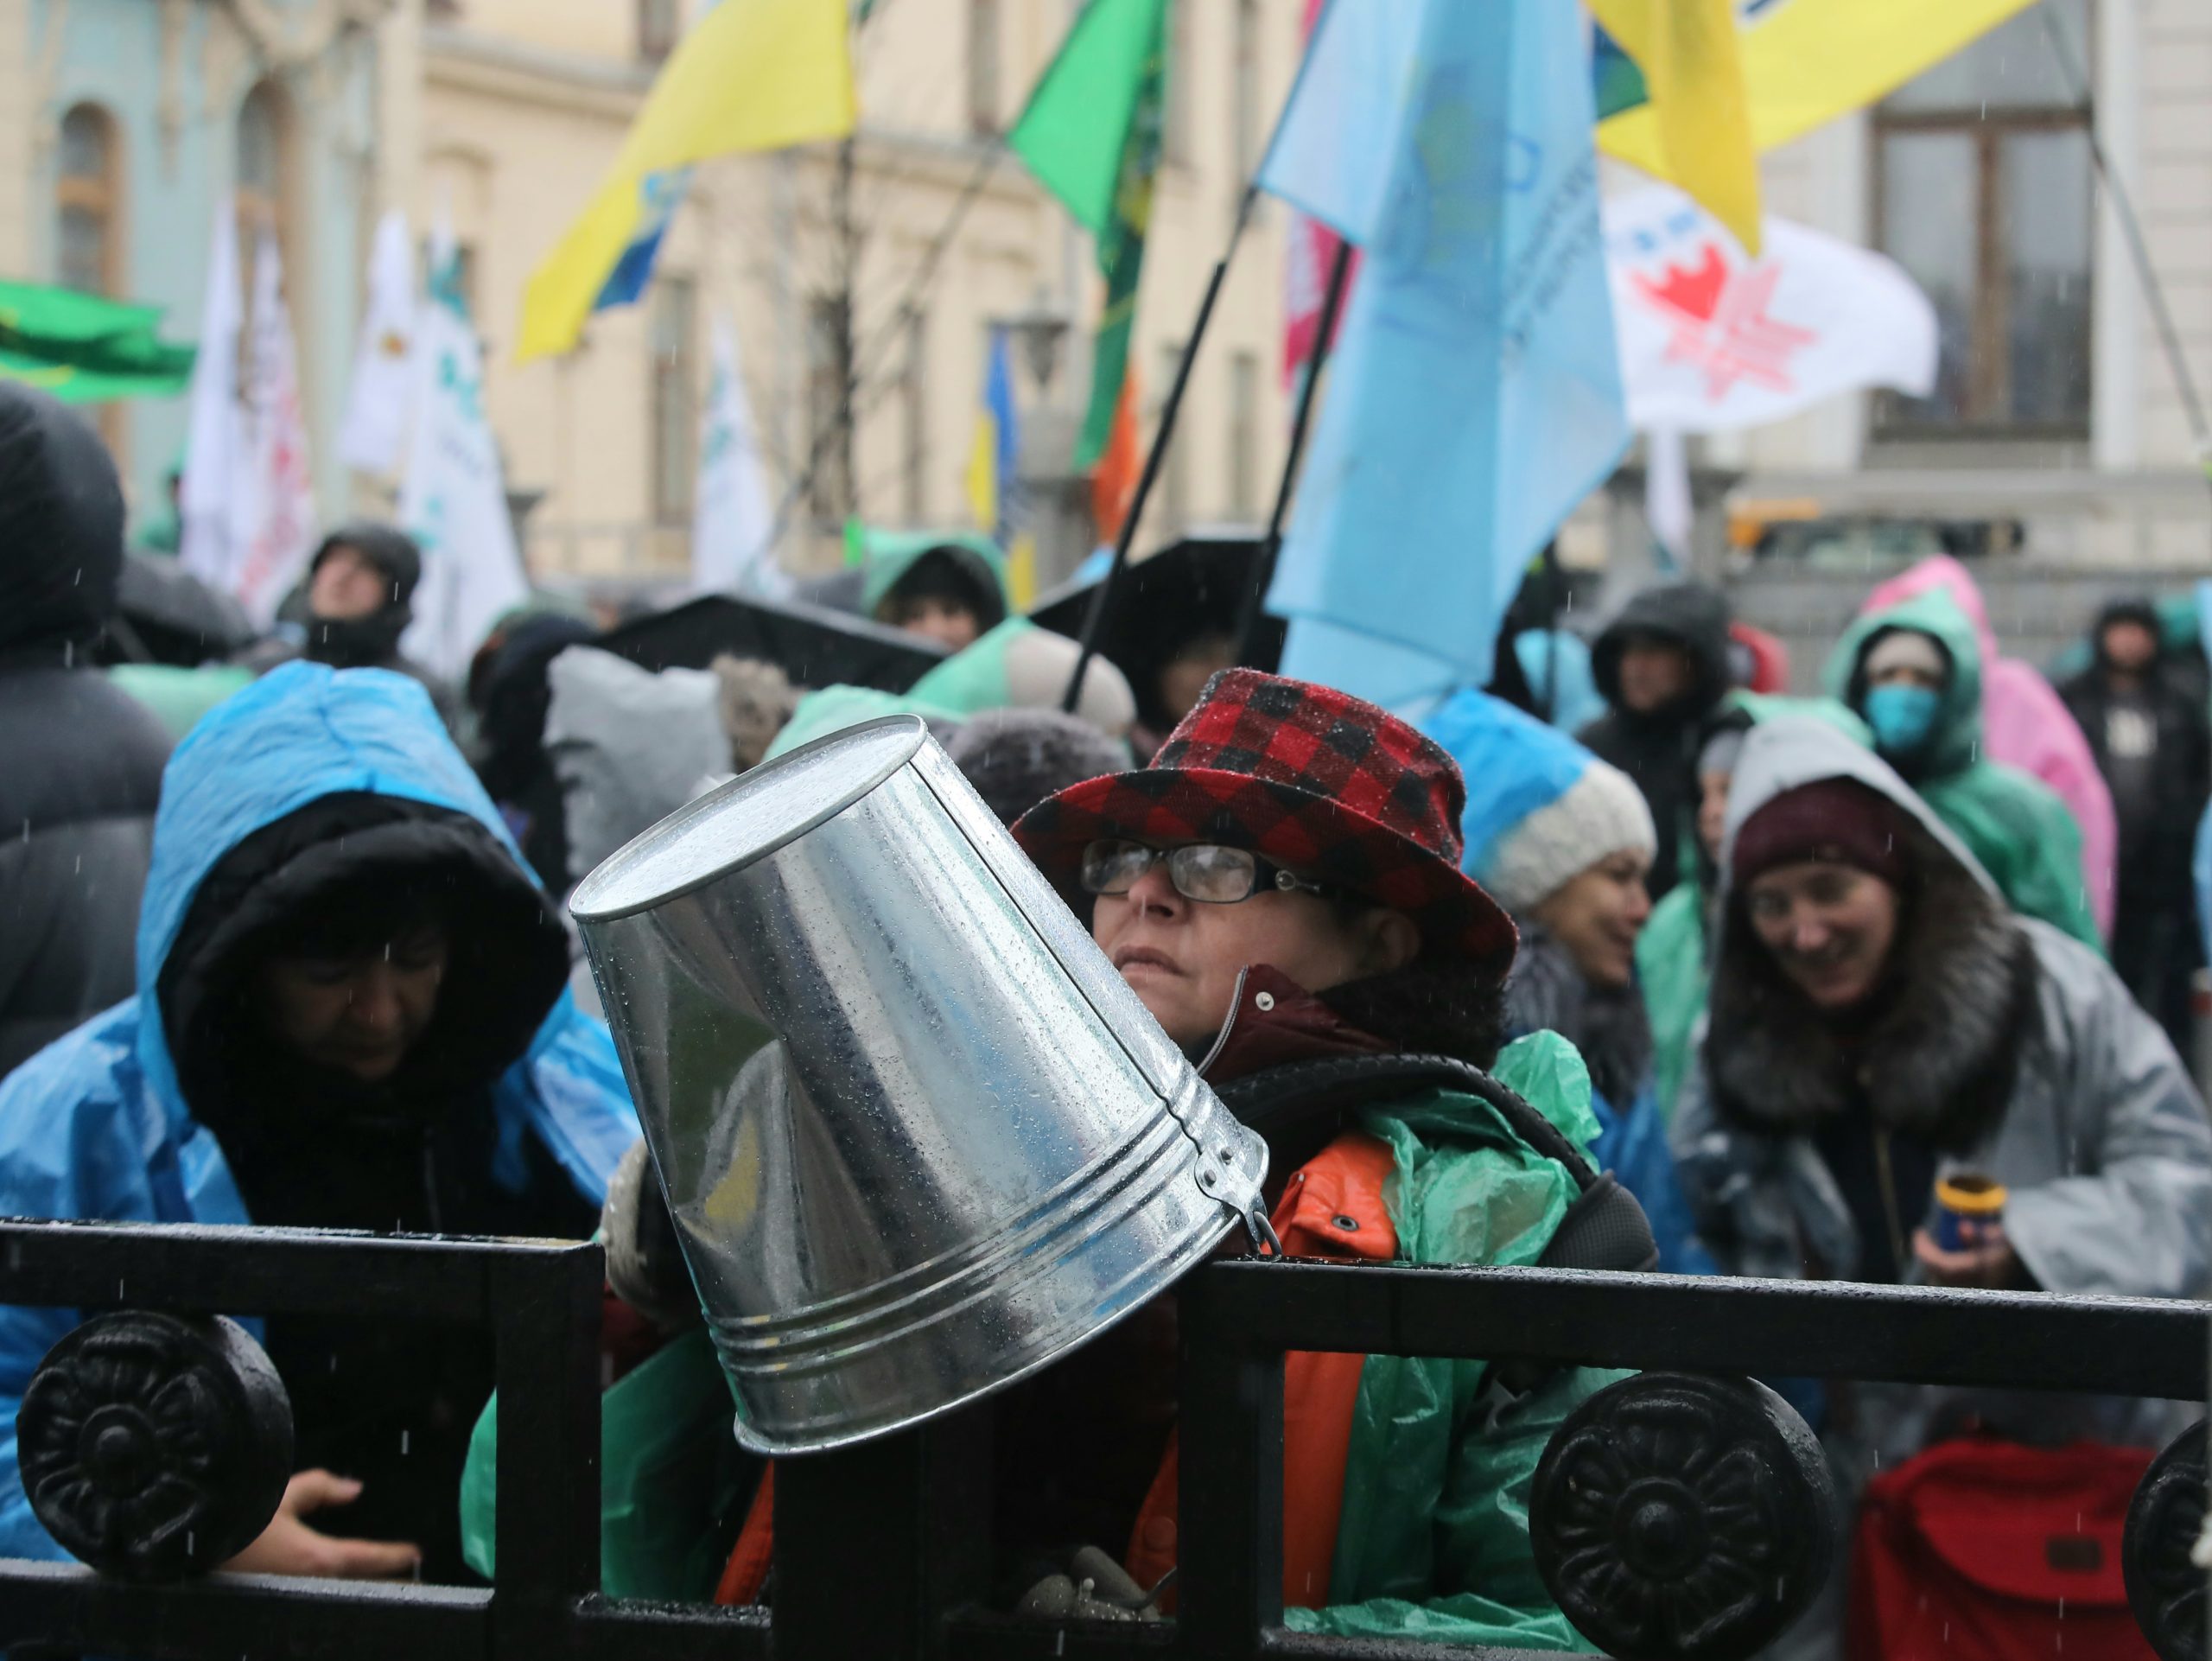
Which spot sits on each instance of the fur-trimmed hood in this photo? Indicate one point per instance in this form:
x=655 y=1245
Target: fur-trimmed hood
x=1937 y=1059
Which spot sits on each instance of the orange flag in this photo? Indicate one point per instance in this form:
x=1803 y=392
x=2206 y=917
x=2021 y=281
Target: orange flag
x=1114 y=478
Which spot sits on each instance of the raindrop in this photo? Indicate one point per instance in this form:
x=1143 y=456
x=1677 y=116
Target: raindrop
x=404 y=1435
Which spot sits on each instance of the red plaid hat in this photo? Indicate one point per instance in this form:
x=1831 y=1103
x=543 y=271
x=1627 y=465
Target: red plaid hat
x=1311 y=778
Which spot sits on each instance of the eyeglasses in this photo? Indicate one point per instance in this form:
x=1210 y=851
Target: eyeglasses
x=1203 y=871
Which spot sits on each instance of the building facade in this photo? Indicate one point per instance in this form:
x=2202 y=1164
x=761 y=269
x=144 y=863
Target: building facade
x=2057 y=405
x=123 y=124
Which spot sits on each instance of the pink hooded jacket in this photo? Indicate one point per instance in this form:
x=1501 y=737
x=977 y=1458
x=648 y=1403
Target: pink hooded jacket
x=2024 y=725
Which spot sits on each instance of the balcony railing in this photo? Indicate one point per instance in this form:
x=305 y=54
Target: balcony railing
x=882 y=1551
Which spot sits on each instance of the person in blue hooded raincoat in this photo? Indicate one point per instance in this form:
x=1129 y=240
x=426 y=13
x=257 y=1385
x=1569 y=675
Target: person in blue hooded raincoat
x=1564 y=842
x=351 y=1012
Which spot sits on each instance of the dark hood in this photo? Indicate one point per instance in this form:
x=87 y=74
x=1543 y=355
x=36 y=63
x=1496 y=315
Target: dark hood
x=1693 y=615
x=515 y=696
x=368 y=642
x=388 y=548
x=508 y=965
x=2131 y=608
x=60 y=525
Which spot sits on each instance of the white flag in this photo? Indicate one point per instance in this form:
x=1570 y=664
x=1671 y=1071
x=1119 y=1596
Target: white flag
x=1712 y=340
x=1667 y=507
x=280 y=534
x=215 y=459
x=731 y=520
x=376 y=399
x=454 y=502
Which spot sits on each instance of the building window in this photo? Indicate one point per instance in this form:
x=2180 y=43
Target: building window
x=1175 y=468
x=983 y=66
x=1244 y=94
x=1985 y=194
x=914 y=419
x=1175 y=125
x=88 y=202
x=1244 y=435
x=674 y=336
x=660 y=22
x=828 y=421
x=263 y=120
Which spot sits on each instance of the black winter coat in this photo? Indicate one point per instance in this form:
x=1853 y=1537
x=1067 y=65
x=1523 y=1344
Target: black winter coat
x=2155 y=846
x=1658 y=749
x=80 y=760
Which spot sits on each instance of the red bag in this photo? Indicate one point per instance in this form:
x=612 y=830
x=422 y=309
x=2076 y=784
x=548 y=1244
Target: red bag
x=1982 y=1550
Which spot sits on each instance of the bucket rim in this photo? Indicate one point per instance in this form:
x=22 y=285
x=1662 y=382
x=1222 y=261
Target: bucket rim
x=584 y=905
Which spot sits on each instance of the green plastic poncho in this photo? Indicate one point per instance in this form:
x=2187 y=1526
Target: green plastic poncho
x=1434 y=1539
x=1015 y=665
x=177 y=696
x=2014 y=824
x=886 y=556
x=671 y=1476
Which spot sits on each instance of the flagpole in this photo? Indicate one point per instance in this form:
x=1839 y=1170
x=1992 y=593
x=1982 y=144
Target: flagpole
x=1250 y=619
x=1101 y=597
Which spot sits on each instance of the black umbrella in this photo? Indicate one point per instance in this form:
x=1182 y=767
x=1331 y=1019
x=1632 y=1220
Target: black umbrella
x=1194 y=586
x=839 y=592
x=815 y=646
x=166 y=615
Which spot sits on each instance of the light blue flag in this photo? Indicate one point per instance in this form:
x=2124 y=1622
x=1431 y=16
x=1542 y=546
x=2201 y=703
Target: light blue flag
x=1475 y=397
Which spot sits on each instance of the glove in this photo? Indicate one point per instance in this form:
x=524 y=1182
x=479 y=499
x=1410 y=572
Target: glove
x=645 y=1263
x=1096 y=1587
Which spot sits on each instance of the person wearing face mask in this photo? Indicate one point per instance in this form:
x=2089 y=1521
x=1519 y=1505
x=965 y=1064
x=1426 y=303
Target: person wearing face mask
x=1880 y=1019
x=1913 y=672
x=351 y=1012
x=1282 y=890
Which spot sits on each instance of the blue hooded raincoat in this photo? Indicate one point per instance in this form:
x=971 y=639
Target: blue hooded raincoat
x=95 y=1127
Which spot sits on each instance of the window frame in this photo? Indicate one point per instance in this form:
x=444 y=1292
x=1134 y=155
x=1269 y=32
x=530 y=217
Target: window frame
x=1989 y=366
x=672 y=399
x=659 y=27
x=98 y=197
x=1244 y=469
x=985 y=55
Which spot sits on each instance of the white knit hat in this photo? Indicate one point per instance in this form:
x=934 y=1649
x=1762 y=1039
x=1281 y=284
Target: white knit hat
x=1598 y=815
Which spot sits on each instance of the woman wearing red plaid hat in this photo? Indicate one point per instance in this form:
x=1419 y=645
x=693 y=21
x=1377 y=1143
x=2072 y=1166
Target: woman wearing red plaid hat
x=1281 y=888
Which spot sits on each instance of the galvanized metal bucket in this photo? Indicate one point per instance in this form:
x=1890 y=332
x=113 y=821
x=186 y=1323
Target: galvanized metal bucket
x=918 y=1136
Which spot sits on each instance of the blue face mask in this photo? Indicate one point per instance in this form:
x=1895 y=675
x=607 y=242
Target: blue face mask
x=1902 y=716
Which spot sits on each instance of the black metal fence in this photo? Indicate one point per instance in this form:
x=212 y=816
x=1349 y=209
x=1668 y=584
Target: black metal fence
x=882 y=1551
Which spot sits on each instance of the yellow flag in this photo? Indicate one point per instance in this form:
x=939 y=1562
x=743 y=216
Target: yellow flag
x=1695 y=75
x=1811 y=61
x=752 y=75
x=983 y=476
x=1021 y=572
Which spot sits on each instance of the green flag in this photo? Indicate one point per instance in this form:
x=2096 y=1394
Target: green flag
x=84 y=349
x=1090 y=134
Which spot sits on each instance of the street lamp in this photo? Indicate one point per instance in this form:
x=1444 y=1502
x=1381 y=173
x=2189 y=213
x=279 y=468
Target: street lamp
x=1038 y=333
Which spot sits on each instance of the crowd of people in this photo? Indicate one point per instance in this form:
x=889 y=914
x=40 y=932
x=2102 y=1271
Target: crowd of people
x=1789 y=967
